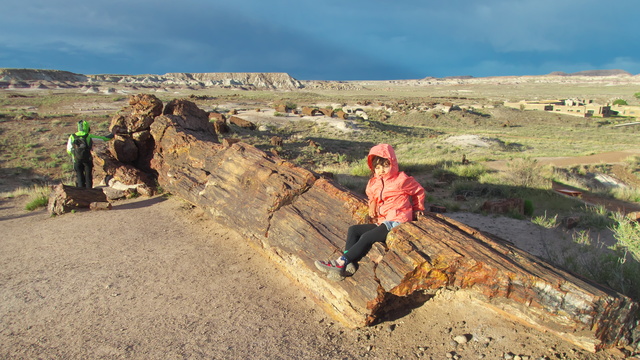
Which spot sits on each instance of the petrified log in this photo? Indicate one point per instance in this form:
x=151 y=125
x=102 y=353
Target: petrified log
x=326 y=112
x=242 y=123
x=214 y=116
x=64 y=198
x=295 y=216
x=309 y=111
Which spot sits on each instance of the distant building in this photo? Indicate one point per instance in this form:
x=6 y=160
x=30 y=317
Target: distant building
x=574 y=107
x=626 y=110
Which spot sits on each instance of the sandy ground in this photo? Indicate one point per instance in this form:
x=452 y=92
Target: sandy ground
x=154 y=279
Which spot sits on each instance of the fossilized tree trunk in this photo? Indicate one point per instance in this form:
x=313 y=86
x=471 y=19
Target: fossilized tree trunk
x=64 y=198
x=295 y=216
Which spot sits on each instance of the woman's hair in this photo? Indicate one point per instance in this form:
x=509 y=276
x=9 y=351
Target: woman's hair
x=378 y=160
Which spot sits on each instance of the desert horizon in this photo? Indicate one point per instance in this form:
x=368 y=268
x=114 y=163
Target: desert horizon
x=586 y=73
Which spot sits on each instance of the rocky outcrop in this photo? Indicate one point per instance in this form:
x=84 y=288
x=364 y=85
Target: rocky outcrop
x=33 y=78
x=125 y=162
x=273 y=81
x=40 y=75
x=257 y=80
x=612 y=72
x=295 y=216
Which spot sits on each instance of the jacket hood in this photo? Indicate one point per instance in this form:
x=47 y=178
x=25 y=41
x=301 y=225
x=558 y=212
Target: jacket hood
x=83 y=126
x=387 y=152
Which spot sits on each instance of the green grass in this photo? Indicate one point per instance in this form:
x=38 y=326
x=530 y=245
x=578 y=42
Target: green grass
x=38 y=196
x=546 y=222
x=39 y=202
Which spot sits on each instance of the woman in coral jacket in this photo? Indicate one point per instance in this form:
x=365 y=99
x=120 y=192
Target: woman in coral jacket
x=394 y=197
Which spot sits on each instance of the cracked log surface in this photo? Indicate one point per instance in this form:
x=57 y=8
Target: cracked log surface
x=295 y=216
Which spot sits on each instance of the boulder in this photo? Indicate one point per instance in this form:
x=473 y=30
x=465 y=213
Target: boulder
x=106 y=168
x=138 y=116
x=124 y=148
x=189 y=116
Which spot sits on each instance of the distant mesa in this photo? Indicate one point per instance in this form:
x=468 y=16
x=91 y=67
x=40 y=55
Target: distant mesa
x=122 y=83
x=13 y=78
x=586 y=73
x=613 y=72
x=461 y=77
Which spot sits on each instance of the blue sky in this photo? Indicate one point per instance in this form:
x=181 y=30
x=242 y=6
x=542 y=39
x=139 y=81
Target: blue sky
x=321 y=39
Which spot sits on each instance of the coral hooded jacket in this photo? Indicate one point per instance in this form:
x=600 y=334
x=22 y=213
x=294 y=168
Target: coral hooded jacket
x=395 y=195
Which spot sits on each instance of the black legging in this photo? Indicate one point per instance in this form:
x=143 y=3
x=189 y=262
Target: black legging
x=360 y=238
x=84 y=173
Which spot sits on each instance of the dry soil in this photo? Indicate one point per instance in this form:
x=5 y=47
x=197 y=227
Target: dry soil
x=155 y=279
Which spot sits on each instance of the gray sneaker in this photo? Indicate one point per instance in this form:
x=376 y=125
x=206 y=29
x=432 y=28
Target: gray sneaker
x=329 y=266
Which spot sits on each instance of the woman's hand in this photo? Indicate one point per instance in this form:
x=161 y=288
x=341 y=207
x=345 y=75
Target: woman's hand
x=418 y=214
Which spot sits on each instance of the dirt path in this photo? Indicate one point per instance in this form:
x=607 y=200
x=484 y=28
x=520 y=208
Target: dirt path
x=614 y=157
x=153 y=279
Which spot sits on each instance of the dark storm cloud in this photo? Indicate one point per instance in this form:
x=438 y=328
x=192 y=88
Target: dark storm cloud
x=320 y=40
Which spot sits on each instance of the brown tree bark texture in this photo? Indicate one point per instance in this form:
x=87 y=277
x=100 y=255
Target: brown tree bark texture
x=295 y=216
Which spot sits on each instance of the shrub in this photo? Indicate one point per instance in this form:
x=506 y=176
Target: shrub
x=291 y=106
x=595 y=217
x=473 y=171
x=525 y=172
x=528 y=207
x=620 y=102
x=609 y=266
x=627 y=233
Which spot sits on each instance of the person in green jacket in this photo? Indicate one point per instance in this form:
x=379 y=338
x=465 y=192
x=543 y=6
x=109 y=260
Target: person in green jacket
x=79 y=147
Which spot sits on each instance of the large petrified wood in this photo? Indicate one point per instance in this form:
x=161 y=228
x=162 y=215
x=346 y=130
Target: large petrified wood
x=295 y=216
x=65 y=198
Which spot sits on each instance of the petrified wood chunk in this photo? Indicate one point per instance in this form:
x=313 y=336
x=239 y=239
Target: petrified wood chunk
x=295 y=216
x=64 y=198
x=242 y=123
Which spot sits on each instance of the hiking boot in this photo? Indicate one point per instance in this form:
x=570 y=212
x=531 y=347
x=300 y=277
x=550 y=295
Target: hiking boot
x=350 y=269
x=329 y=266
